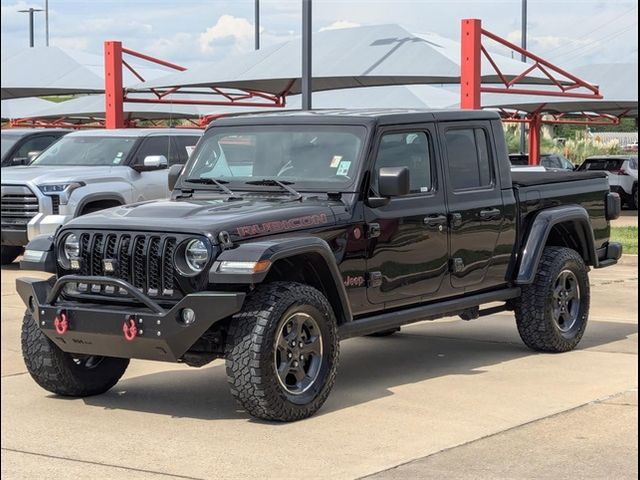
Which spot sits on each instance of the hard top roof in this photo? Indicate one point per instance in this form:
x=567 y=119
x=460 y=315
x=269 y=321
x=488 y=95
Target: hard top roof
x=377 y=116
x=23 y=132
x=136 y=132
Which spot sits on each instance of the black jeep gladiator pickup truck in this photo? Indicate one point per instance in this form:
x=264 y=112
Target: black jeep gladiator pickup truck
x=288 y=232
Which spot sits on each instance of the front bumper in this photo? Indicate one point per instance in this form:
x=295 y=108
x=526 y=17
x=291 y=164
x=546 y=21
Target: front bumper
x=97 y=329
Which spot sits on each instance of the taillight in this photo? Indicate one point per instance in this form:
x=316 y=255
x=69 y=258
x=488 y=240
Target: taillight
x=618 y=172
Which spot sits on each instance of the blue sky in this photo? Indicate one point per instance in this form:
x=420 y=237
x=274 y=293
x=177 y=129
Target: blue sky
x=190 y=32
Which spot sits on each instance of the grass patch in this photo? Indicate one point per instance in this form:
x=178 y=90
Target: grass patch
x=627 y=236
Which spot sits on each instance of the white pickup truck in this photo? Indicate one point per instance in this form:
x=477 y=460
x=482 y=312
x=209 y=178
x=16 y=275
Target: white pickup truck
x=84 y=172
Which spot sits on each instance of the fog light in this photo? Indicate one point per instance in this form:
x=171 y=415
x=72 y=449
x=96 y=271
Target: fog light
x=75 y=264
x=188 y=316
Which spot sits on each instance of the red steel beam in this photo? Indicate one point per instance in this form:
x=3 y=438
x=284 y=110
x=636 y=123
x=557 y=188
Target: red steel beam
x=471 y=65
x=113 y=88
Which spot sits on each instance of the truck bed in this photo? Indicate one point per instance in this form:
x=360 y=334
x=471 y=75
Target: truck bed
x=528 y=179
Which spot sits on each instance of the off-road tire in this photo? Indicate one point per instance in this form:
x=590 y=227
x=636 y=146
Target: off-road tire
x=385 y=333
x=534 y=311
x=251 y=350
x=9 y=253
x=58 y=372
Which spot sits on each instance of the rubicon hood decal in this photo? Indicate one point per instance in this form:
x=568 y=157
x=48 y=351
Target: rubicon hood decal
x=282 y=225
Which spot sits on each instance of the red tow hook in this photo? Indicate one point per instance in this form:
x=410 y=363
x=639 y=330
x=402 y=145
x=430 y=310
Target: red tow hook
x=60 y=323
x=130 y=329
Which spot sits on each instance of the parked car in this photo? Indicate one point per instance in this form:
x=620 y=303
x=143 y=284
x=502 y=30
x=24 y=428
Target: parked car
x=84 y=172
x=327 y=226
x=21 y=145
x=623 y=174
x=551 y=161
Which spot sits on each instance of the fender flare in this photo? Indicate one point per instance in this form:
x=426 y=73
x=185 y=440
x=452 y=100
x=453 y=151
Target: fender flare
x=538 y=235
x=278 y=249
x=98 y=197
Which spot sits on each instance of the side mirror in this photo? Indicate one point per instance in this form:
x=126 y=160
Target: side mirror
x=18 y=161
x=174 y=174
x=155 y=162
x=392 y=182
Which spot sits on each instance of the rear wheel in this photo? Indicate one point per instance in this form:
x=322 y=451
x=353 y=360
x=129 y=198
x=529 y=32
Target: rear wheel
x=64 y=373
x=633 y=201
x=282 y=352
x=552 y=312
x=10 y=253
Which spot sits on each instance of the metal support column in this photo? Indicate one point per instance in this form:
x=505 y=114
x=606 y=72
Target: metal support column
x=523 y=57
x=470 y=70
x=535 y=128
x=307 y=87
x=113 y=88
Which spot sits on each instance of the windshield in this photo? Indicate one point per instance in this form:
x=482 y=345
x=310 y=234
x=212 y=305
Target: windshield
x=8 y=141
x=317 y=156
x=87 y=151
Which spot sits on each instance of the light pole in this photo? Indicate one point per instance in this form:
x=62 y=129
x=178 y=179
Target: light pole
x=256 y=15
x=523 y=44
x=31 y=12
x=306 y=55
x=46 y=22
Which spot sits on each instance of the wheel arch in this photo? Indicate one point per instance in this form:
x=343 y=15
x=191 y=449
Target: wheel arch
x=566 y=226
x=305 y=260
x=107 y=199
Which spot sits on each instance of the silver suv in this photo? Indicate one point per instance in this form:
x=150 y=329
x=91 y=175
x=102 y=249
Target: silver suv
x=84 y=172
x=623 y=175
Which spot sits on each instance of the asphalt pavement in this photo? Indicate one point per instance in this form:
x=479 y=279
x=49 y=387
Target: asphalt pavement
x=447 y=399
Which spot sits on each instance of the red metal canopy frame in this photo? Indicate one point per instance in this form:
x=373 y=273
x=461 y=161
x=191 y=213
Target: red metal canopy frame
x=115 y=94
x=472 y=51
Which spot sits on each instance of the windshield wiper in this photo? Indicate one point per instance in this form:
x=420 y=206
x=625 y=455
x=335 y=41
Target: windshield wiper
x=277 y=183
x=212 y=181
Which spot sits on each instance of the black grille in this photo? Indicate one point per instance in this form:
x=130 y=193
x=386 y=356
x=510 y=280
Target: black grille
x=144 y=260
x=55 y=204
x=18 y=206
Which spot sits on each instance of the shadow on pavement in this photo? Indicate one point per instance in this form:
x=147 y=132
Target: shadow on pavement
x=369 y=369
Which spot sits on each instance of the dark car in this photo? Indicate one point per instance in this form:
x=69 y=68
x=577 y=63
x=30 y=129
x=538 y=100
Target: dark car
x=289 y=232
x=551 y=161
x=21 y=145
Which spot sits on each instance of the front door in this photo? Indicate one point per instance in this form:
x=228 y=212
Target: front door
x=408 y=246
x=476 y=212
x=154 y=184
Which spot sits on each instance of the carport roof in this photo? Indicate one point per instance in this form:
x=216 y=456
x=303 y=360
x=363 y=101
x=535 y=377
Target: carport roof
x=39 y=71
x=344 y=58
x=22 y=107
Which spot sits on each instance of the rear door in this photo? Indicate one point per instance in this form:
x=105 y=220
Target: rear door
x=408 y=248
x=476 y=213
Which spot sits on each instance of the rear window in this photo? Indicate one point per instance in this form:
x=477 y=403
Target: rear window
x=633 y=163
x=602 y=164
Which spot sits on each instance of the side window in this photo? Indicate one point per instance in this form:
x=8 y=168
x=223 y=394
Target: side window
x=406 y=149
x=153 y=146
x=181 y=148
x=468 y=158
x=36 y=144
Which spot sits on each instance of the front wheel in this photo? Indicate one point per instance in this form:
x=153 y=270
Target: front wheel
x=552 y=312
x=282 y=352
x=64 y=373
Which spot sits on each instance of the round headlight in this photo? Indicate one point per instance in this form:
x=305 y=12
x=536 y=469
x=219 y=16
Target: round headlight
x=71 y=246
x=196 y=255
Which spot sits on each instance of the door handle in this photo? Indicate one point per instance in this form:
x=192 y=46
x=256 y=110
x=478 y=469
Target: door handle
x=490 y=214
x=435 y=220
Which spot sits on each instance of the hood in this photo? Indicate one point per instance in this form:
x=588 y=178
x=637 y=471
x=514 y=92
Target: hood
x=247 y=218
x=52 y=174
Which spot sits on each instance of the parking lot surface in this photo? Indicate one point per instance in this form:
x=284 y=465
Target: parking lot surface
x=444 y=399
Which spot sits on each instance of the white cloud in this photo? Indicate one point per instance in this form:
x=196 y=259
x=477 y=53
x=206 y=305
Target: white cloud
x=340 y=24
x=229 y=31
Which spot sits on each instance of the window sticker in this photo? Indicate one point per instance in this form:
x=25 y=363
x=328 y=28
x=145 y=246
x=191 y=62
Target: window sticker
x=343 y=168
x=190 y=149
x=335 y=161
x=118 y=158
